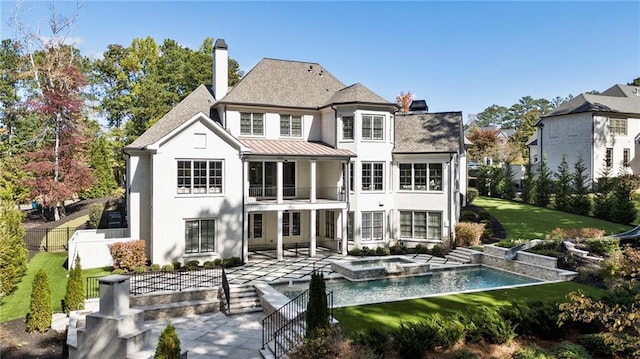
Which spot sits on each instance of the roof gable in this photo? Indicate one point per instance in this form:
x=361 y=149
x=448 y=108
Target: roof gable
x=356 y=93
x=198 y=101
x=617 y=99
x=428 y=132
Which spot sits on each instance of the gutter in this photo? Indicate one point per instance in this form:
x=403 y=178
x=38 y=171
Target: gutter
x=451 y=232
x=335 y=128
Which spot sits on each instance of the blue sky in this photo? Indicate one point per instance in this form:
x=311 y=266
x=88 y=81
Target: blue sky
x=458 y=56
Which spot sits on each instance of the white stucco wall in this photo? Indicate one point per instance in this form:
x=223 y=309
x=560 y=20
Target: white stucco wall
x=169 y=209
x=139 y=195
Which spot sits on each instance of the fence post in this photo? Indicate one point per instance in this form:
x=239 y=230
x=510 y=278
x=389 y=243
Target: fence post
x=46 y=240
x=67 y=242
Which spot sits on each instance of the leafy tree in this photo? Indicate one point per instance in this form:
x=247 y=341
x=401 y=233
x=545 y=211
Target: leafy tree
x=13 y=251
x=485 y=143
x=100 y=160
x=168 y=344
x=404 y=101
x=528 y=184
x=74 y=297
x=543 y=185
x=563 y=186
x=580 y=202
x=317 y=315
x=492 y=116
x=41 y=310
x=507 y=187
x=635 y=82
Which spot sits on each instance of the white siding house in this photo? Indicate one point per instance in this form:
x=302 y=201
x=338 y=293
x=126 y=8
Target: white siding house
x=603 y=130
x=291 y=157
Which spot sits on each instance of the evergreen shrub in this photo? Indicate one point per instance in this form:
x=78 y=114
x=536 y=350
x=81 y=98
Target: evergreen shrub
x=13 y=250
x=317 y=314
x=568 y=350
x=168 y=344
x=41 y=309
x=74 y=297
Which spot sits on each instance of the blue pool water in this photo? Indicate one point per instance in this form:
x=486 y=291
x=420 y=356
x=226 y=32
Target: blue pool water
x=348 y=293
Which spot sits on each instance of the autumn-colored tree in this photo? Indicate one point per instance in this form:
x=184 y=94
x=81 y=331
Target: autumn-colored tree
x=485 y=143
x=404 y=100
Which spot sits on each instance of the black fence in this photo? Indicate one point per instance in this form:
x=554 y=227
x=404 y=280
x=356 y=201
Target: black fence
x=48 y=239
x=176 y=281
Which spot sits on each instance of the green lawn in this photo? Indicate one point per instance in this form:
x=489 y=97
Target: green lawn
x=524 y=221
x=388 y=316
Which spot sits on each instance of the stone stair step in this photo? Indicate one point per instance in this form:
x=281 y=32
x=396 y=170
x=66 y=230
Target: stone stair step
x=180 y=309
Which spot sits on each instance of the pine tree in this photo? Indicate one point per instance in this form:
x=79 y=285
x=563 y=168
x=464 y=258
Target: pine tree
x=13 y=251
x=317 y=315
x=527 y=184
x=580 y=201
x=39 y=317
x=483 y=180
x=543 y=185
x=508 y=187
x=624 y=210
x=604 y=200
x=563 y=186
x=74 y=297
x=168 y=344
x=496 y=182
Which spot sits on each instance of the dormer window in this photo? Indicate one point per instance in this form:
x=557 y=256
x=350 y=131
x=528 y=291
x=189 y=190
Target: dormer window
x=252 y=124
x=290 y=126
x=372 y=127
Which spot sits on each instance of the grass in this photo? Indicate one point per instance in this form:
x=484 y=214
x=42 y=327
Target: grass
x=524 y=221
x=387 y=316
x=71 y=224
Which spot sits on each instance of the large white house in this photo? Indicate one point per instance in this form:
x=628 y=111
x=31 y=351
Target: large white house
x=290 y=156
x=603 y=129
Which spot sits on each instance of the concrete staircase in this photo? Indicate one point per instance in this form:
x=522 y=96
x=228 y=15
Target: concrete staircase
x=177 y=304
x=460 y=255
x=243 y=299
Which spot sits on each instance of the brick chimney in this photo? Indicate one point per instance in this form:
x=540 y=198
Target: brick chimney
x=220 y=69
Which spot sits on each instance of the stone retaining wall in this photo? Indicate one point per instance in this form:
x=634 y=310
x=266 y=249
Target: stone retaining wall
x=529 y=264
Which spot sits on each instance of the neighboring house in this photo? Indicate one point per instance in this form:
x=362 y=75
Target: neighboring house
x=603 y=129
x=502 y=138
x=291 y=157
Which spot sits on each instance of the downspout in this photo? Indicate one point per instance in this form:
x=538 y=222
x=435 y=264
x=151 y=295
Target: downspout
x=451 y=233
x=592 y=175
x=335 y=127
x=224 y=117
x=244 y=225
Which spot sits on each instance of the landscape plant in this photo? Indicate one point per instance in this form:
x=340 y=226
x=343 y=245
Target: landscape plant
x=74 y=297
x=128 y=255
x=317 y=314
x=580 y=201
x=95 y=214
x=168 y=344
x=543 y=185
x=563 y=186
x=527 y=184
x=13 y=250
x=468 y=234
x=41 y=308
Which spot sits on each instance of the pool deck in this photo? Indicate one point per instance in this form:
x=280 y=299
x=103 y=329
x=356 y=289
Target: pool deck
x=218 y=336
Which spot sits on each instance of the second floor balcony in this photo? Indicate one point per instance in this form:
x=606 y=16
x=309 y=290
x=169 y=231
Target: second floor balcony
x=269 y=194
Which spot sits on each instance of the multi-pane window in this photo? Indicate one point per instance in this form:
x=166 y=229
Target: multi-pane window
x=257 y=226
x=372 y=127
x=290 y=126
x=372 y=226
x=420 y=176
x=618 y=126
x=372 y=176
x=329 y=224
x=421 y=225
x=608 y=158
x=347 y=127
x=199 y=177
x=626 y=156
x=200 y=235
x=350 y=220
x=291 y=224
x=252 y=124
x=344 y=175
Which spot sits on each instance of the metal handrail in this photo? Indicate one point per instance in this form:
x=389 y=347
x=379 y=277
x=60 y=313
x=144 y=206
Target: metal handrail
x=279 y=318
x=226 y=290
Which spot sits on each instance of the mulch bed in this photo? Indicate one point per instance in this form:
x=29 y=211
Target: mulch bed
x=18 y=343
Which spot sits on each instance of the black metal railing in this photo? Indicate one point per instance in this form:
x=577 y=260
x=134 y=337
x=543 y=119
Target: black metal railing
x=286 y=326
x=176 y=281
x=48 y=239
x=304 y=193
x=226 y=291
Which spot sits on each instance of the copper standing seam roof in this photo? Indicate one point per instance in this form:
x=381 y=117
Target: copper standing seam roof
x=293 y=148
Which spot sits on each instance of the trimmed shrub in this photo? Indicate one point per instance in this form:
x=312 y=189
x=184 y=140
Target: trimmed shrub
x=317 y=315
x=596 y=344
x=472 y=194
x=140 y=269
x=355 y=252
x=95 y=214
x=74 y=297
x=128 y=255
x=41 y=309
x=324 y=345
x=209 y=264
x=575 y=233
x=231 y=262
x=399 y=248
x=176 y=265
x=533 y=317
x=155 y=267
x=217 y=261
x=531 y=352
x=568 y=350
x=412 y=340
x=469 y=216
x=168 y=344
x=194 y=264
x=167 y=268
x=119 y=271
x=382 y=251
x=438 y=251
x=421 y=249
x=468 y=234
x=373 y=338
x=601 y=246
x=487 y=324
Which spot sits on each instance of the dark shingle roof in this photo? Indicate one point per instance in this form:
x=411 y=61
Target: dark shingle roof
x=428 y=132
x=617 y=99
x=200 y=100
x=356 y=93
x=285 y=83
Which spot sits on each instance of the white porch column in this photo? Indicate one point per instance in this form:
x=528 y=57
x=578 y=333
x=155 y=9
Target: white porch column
x=312 y=233
x=279 y=248
x=343 y=219
x=245 y=236
x=245 y=176
x=312 y=175
x=279 y=183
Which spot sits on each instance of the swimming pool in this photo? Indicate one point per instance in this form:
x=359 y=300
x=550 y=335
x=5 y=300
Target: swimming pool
x=346 y=293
